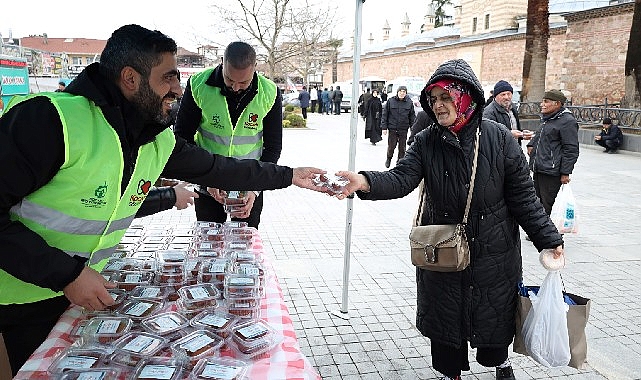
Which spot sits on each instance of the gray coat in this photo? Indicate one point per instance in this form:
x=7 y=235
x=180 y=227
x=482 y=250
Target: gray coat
x=479 y=303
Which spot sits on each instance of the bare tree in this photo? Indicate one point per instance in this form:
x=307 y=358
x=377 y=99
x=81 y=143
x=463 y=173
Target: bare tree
x=284 y=30
x=537 y=35
x=632 y=98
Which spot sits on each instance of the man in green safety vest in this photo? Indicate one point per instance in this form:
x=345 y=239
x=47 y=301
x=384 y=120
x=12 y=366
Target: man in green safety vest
x=76 y=167
x=233 y=111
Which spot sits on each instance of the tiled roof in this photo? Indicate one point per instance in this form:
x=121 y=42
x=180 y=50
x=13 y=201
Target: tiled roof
x=64 y=45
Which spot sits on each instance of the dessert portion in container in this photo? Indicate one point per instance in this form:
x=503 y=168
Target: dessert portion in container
x=134 y=346
x=77 y=358
x=219 y=368
x=138 y=309
x=165 y=323
x=332 y=184
x=105 y=330
x=128 y=280
x=252 y=338
x=199 y=296
x=158 y=368
x=197 y=345
x=218 y=321
x=92 y=374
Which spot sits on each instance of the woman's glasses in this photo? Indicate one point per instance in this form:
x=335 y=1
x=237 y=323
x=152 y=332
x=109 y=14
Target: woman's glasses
x=444 y=98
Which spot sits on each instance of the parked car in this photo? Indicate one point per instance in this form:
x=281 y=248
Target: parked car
x=291 y=98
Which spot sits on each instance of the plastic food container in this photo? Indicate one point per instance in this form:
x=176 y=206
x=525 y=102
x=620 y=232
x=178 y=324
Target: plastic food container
x=91 y=374
x=208 y=248
x=244 y=233
x=199 y=296
x=158 y=368
x=333 y=184
x=122 y=264
x=135 y=346
x=76 y=358
x=234 y=200
x=252 y=338
x=218 y=322
x=246 y=308
x=219 y=368
x=240 y=285
x=165 y=323
x=235 y=245
x=197 y=345
x=153 y=292
x=129 y=280
x=204 y=224
x=213 y=270
x=106 y=329
x=139 y=309
x=169 y=259
x=234 y=224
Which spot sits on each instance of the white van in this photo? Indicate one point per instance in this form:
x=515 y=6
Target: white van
x=414 y=85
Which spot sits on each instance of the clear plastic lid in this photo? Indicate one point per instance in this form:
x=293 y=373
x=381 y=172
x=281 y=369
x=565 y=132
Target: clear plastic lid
x=121 y=264
x=91 y=374
x=235 y=244
x=199 y=296
x=165 y=323
x=246 y=308
x=171 y=257
x=241 y=285
x=138 y=309
x=76 y=358
x=234 y=224
x=153 y=292
x=252 y=338
x=217 y=321
x=140 y=343
x=219 y=368
x=128 y=280
x=106 y=329
x=243 y=233
x=213 y=270
x=235 y=197
x=196 y=345
x=158 y=368
x=199 y=225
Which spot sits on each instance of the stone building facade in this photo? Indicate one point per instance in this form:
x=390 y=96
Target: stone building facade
x=586 y=54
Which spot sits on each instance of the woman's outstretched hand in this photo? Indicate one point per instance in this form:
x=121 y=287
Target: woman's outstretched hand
x=356 y=182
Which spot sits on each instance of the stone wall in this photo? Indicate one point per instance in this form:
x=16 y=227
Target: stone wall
x=586 y=58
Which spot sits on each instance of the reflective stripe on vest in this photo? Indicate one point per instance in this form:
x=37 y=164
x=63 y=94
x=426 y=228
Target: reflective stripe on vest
x=82 y=211
x=216 y=132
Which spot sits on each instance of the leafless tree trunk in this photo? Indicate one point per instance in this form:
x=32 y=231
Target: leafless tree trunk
x=536 y=51
x=287 y=32
x=632 y=98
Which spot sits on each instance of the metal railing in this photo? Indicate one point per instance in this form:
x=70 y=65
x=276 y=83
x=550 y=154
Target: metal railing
x=593 y=114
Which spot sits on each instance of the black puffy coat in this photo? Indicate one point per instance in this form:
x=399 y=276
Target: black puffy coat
x=479 y=303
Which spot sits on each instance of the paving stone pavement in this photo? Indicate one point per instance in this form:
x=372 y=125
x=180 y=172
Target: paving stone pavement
x=305 y=234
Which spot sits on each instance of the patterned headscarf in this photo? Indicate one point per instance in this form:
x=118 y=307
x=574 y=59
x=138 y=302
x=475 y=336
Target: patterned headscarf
x=463 y=102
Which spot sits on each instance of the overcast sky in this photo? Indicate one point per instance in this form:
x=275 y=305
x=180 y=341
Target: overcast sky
x=188 y=22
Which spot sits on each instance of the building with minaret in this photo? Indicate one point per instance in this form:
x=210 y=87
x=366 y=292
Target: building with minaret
x=405 y=30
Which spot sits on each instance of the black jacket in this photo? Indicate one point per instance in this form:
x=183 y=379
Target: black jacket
x=398 y=114
x=613 y=133
x=189 y=114
x=31 y=140
x=421 y=122
x=556 y=144
x=496 y=112
x=479 y=303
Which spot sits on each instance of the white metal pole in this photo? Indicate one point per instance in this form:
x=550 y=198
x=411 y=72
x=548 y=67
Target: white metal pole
x=352 y=150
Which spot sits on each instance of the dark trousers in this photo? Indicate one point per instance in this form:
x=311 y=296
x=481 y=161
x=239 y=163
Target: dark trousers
x=609 y=144
x=304 y=110
x=327 y=107
x=337 y=108
x=547 y=187
x=208 y=209
x=396 y=137
x=25 y=326
x=451 y=361
x=313 y=109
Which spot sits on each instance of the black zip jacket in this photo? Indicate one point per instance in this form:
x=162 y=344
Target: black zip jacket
x=189 y=114
x=32 y=150
x=398 y=114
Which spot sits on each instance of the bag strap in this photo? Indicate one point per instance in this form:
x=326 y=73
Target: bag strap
x=419 y=212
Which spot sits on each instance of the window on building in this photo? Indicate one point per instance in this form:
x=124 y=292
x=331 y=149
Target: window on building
x=487 y=21
x=76 y=60
x=474 y=21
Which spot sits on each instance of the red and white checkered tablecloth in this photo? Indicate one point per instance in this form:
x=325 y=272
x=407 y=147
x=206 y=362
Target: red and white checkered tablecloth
x=285 y=361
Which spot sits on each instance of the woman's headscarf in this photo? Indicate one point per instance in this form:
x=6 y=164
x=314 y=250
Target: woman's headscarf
x=463 y=102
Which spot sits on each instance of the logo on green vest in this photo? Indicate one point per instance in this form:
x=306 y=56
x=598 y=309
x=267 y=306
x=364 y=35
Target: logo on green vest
x=215 y=122
x=96 y=201
x=252 y=122
x=144 y=186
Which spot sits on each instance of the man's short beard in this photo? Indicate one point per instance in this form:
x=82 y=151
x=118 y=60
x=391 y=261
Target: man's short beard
x=149 y=104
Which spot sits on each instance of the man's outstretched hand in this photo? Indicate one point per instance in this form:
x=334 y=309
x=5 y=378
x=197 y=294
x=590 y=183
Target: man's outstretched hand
x=303 y=177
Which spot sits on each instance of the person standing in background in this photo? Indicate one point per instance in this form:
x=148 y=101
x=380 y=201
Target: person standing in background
x=373 y=118
x=330 y=95
x=398 y=116
x=233 y=111
x=303 y=97
x=324 y=99
x=421 y=122
x=554 y=149
x=338 y=99
x=383 y=96
x=362 y=102
x=61 y=86
x=313 y=98
x=503 y=111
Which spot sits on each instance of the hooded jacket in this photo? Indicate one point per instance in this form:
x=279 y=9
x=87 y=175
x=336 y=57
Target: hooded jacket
x=31 y=138
x=477 y=304
x=556 y=144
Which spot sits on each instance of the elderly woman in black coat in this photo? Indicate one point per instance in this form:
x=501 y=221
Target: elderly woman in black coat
x=478 y=304
x=373 y=111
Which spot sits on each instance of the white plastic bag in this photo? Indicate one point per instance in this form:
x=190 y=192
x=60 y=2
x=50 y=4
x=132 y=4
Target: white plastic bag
x=564 y=213
x=545 y=330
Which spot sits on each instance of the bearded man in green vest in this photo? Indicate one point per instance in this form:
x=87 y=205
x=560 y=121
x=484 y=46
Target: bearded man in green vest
x=76 y=167
x=233 y=111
